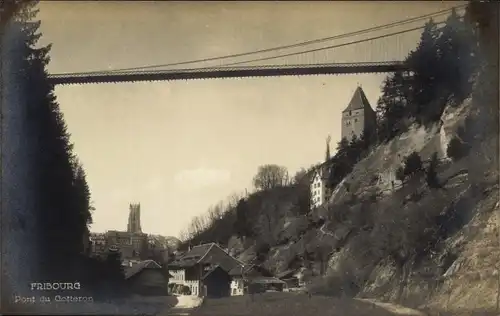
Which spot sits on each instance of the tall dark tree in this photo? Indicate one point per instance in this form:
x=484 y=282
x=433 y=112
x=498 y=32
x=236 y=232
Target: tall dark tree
x=355 y=150
x=341 y=163
x=424 y=62
x=366 y=140
x=431 y=175
x=457 y=56
x=62 y=199
x=413 y=164
x=342 y=145
x=391 y=106
x=82 y=193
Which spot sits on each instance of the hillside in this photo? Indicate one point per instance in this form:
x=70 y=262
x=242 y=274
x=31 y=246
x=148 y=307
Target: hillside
x=427 y=238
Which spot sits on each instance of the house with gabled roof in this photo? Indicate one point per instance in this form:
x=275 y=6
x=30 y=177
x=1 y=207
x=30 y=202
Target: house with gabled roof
x=205 y=270
x=147 y=278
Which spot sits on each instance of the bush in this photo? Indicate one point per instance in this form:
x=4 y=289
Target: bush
x=413 y=164
x=457 y=149
x=344 y=281
x=400 y=174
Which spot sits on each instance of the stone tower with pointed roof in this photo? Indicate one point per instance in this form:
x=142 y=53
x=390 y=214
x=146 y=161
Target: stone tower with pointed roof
x=358 y=116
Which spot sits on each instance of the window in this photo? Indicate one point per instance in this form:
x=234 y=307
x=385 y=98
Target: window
x=350 y=113
x=355 y=120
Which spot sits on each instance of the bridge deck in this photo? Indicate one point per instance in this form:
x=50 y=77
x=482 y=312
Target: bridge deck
x=238 y=72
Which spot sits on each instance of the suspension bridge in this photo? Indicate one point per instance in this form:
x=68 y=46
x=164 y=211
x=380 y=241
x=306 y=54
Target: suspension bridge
x=373 y=50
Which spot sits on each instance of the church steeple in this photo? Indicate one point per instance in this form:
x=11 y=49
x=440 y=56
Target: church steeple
x=327 y=156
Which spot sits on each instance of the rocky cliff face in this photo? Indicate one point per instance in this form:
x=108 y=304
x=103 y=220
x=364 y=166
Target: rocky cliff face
x=460 y=274
x=422 y=247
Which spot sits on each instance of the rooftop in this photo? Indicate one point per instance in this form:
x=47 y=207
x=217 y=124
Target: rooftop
x=202 y=254
x=138 y=267
x=358 y=101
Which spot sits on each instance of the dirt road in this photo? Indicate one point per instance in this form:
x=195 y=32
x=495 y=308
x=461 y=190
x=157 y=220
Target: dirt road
x=184 y=306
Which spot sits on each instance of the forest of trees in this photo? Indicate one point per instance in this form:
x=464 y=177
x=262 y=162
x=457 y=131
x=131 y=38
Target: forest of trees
x=63 y=202
x=443 y=64
x=251 y=215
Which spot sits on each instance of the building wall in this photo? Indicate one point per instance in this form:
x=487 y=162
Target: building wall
x=97 y=244
x=353 y=123
x=217 y=283
x=237 y=286
x=318 y=191
x=178 y=276
x=150 y=282
x=132 y=246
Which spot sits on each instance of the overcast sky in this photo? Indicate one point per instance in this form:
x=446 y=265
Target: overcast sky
x=178 y=147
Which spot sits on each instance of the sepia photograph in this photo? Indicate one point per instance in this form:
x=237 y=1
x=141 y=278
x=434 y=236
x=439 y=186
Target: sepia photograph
x=238 y=158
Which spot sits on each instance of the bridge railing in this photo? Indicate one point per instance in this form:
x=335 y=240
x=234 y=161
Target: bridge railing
x=225 y=68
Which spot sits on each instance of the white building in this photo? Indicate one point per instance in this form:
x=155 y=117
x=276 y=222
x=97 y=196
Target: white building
x=318 y=187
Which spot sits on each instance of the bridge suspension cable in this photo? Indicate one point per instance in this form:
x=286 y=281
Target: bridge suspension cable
x=327 y=47
x=315 y=41
x=226 y=66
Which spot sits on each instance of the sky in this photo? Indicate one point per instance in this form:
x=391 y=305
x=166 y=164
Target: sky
x=179 y=147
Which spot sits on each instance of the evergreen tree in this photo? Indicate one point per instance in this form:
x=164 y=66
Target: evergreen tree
x=392 y=105
x=342 y=146
x=355 y=150
x=366 y=140
x=431 y=176
x=413 y=164
x=424 y=62
x=62 y=203
x=457 y=56
x=342 y=163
